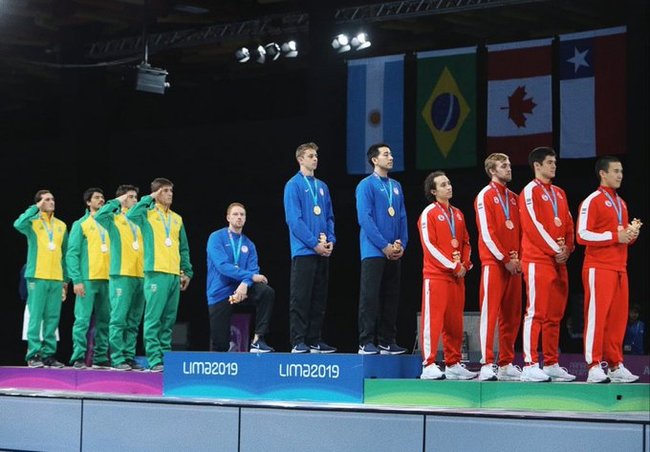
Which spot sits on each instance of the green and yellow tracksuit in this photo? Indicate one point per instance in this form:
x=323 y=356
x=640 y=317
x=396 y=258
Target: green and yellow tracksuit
x=47 y=238
x=87 y=262
x=125 y=281
x=166 y=255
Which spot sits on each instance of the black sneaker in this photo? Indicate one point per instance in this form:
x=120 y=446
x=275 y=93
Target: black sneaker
x=79 y=364
x=51 y=361
x=102 y=365
x=35 y=362
x=391 y=349
x=134 y=365
x=321 y=347
x=260 y=346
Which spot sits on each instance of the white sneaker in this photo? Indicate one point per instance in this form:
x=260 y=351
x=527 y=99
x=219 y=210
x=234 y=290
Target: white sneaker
x=558 y=373
x=597 y=374
x=432 y=372
x=509 y=373
x=458 y=372
x=621 y=375
x=534 y=373
x=487 y=373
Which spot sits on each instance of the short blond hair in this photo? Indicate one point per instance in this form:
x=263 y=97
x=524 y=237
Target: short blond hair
x=300 y=150
x=492 y=160
x=234 y=204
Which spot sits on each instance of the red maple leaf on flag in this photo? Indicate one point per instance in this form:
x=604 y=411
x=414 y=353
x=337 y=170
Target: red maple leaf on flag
x=518 y=105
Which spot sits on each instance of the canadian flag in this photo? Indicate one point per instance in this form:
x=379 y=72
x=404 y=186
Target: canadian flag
x=520 y=104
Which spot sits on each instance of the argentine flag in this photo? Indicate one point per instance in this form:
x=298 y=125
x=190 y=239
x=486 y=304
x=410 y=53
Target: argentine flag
x=375 y=110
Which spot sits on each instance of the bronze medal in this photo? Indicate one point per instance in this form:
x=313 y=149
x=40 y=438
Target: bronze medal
x=391 y=211
x=454 y=243
x=619 y=227
x=510 y=224
x=557 y=221
x=317 y=210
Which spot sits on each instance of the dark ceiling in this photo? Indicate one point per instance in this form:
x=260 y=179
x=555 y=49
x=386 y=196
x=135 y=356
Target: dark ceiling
x=42 y=39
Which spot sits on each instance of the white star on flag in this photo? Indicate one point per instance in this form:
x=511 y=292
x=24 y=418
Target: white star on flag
x=578 y=59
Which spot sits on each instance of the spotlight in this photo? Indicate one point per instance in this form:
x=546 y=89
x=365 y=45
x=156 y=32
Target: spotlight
x=360 y=42
x=151 y=79
x=260 y=54
x=272 y=51
x=341 y=43
x=242 y=55
x=290 y=49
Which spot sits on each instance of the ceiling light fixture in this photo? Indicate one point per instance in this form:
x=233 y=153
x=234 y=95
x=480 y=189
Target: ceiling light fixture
x=341 y=43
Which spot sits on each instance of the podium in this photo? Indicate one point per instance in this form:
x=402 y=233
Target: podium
x=281 y=376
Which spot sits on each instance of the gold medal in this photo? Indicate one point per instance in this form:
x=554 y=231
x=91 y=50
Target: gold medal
x=391 y=211
x=104 y=248
x=51 y=246
x=317 y=210
x=454 y=243
x=135 y=245
x=510 y=224
x=168 y=241
x=557 y=221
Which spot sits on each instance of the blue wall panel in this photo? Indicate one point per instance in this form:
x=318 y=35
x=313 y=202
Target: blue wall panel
x=451 y=433
x=40 y=423
x=157 y=426
x=289 y=430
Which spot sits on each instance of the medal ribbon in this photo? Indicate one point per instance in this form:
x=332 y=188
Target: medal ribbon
x=313 y=191
x=102 y=232
x=388 y=190
x=166 y=223
x=504 y=205
x=619 y=210
x=133 y=227
x=450 y=219
x=236 y=250
x=553 y=199
x=50 y=232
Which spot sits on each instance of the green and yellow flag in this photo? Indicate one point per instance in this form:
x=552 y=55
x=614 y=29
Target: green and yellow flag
x=446 y=109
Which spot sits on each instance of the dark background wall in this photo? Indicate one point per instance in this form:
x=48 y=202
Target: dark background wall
x=233 y=139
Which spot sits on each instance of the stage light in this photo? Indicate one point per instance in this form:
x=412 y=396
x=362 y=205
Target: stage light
x=260 y=55
x=272 y=51
x=242 y=55
x=341 y=43
x=151 y=79
x=360 y=42
x=290 y=49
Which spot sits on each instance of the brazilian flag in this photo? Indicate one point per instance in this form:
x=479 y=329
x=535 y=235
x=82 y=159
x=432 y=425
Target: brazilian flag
x=446 y=109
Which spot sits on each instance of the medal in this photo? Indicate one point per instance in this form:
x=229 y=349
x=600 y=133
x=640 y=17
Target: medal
x=51 y=246
x=135 y=245
x=317 y=210
x=104 y=248
x=557 y=221
x=391 y=211
x=510 y=224
x=619 y=227
x=168 y=241
x=454 y=243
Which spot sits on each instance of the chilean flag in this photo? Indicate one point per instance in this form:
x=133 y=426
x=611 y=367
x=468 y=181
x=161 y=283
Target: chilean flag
x=593 y=93
x=520 y=105
x=375 y=110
